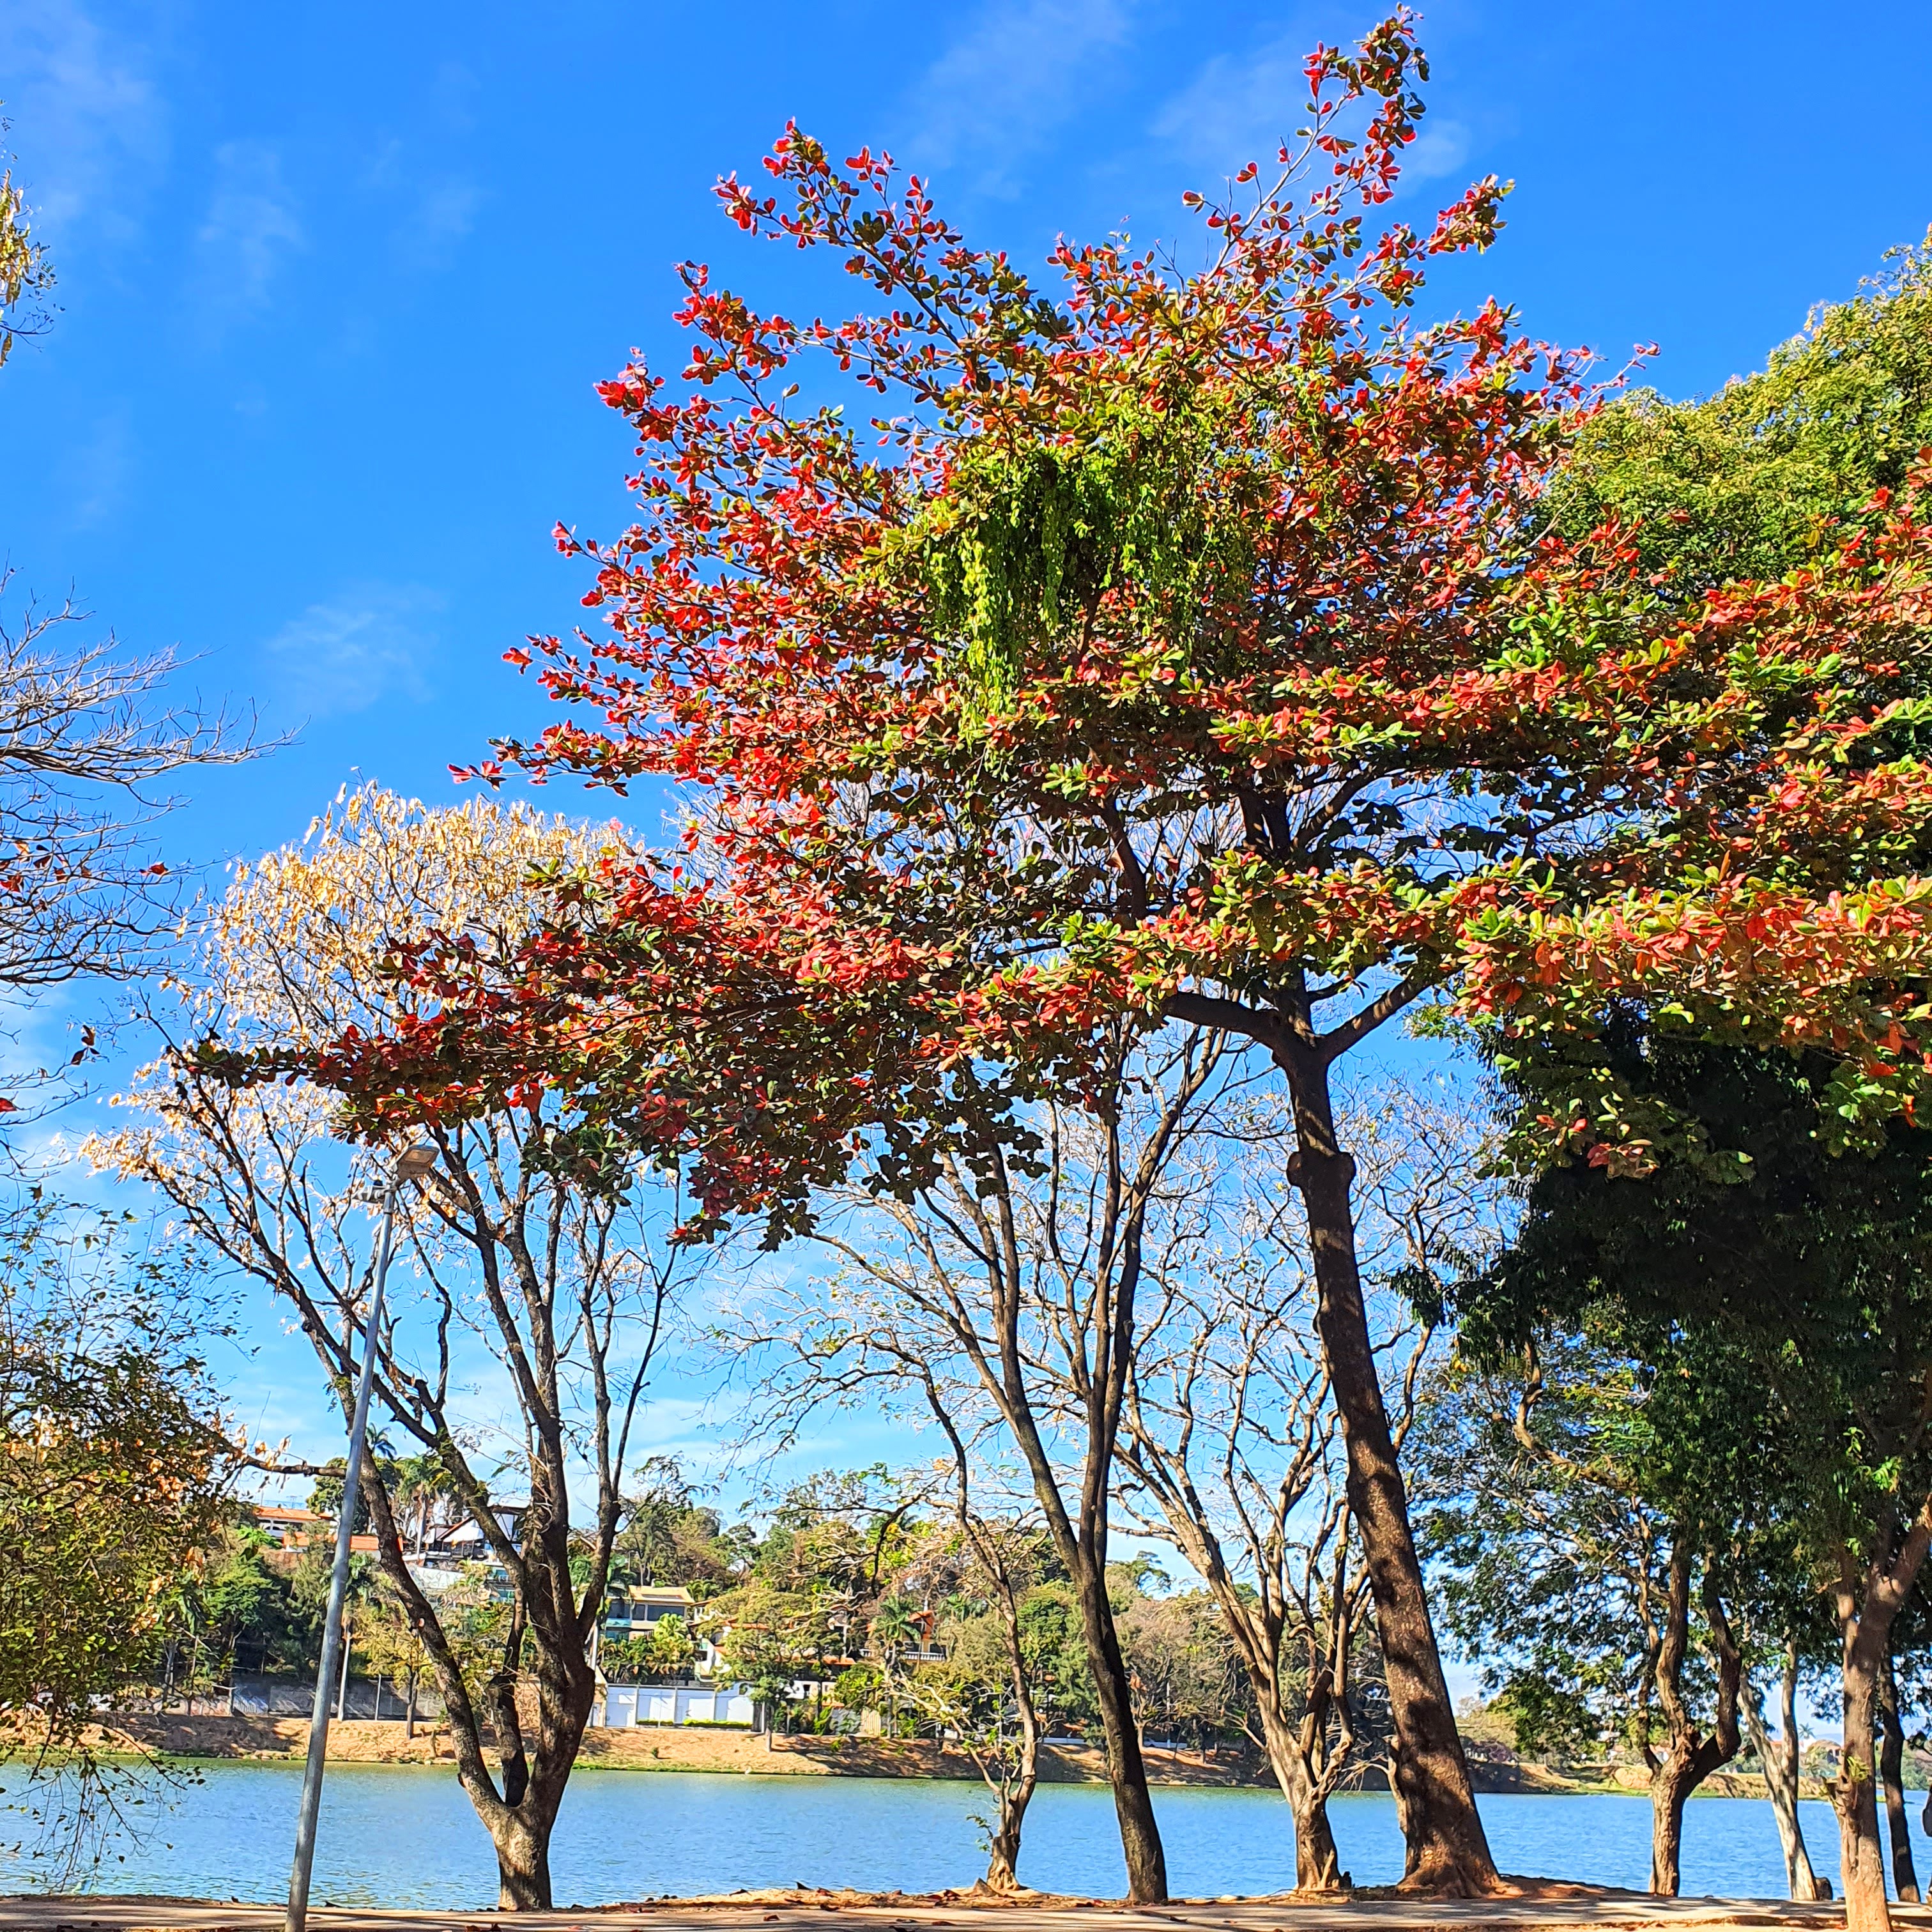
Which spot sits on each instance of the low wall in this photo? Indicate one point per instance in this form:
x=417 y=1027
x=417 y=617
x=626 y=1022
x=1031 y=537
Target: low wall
x=625 y=1705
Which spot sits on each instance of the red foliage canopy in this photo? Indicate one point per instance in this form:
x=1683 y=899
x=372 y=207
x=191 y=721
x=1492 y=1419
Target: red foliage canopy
x=1185 y=644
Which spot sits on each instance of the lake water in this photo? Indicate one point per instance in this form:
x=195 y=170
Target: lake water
x=405 y=1836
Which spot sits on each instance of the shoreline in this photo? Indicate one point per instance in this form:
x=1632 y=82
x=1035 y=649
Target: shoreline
x=133 y=1737
x=1530 y=1905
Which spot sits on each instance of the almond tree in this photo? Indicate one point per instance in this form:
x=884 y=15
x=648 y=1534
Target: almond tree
x=550 y=1268
x=1184 y=645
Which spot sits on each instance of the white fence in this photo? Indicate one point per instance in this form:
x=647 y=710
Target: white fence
x=627 y=1704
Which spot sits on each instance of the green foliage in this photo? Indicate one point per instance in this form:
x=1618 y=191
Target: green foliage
x=112 y=1480
x=673 y=1649
x=861 y=1687
x=325 y=1496
x=1548 y=1720
x=1787 y=1316
x=1744 y=484
x=1552 y=1554
x=255 y=1616
x=1017 y=554
x=669 y=1537
x=1056 y=1658
x=626 y=1660
x=1189 y=1687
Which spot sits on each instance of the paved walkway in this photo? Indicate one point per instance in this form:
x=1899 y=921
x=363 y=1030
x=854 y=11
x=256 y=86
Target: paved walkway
x=1576 y=1910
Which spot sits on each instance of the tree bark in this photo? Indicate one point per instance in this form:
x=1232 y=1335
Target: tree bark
x=1446 y=1848
x=1693 y=1754
x=1015 y=1792
x=523 y=1861
x=1126 y=1768
x=1318 y=1865
x=1670 y=1784
x=1891 y=1767
x=1856 y=1792
x=1782 y=1765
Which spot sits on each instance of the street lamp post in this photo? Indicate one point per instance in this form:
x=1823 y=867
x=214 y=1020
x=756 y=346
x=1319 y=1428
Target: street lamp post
x=411 y=1165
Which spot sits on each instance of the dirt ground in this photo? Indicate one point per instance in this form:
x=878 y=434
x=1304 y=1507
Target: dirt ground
x=1532 y=1907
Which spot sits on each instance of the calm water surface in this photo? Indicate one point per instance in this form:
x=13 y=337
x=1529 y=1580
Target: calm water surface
x=405 y=1836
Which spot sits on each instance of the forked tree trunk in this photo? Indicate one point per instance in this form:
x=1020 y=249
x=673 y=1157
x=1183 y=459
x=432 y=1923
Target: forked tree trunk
x=1892 y=1769
x=1318 y=1865
x=1446 y=1849
x=1014 y=1794
x=1694 y=1753
x=517 y=1806
x=1781 y=1760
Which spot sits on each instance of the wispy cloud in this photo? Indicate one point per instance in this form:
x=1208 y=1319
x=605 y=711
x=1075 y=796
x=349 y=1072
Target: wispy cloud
x=1020 y=70
x=1243 y=107
x=95 y=469
x=250 y=227
x=373 y=641
x=89 y=120
x=443 y=212
x=435 y=211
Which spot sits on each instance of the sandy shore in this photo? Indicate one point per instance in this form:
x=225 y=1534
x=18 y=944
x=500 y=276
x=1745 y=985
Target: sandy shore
x=642 y=1747
x=690 y=1747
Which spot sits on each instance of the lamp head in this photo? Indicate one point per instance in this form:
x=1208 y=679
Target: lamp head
x=414 y=1163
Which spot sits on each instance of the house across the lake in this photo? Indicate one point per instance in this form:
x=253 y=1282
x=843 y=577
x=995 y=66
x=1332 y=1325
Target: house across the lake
x=633 y=1608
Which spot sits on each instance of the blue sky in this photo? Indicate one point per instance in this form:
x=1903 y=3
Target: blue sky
x=336 y=283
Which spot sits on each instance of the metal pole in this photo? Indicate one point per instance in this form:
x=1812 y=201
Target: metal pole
x=338 y=1589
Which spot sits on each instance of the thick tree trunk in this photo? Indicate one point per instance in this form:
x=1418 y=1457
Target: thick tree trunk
x=1446 y=1848
x=1781 y=1762
x=1126 y=1769
x=1891 y=1768
x=522 y=1840
x=1670 y=1784
x=1856 y=1793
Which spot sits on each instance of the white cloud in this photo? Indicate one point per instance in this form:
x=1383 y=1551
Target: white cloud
x=445 y=211
x=374 y=641
x=1241 y=108
x=250 y=227
x=88 y=123
x=1442 y=148
x=1020 y=70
